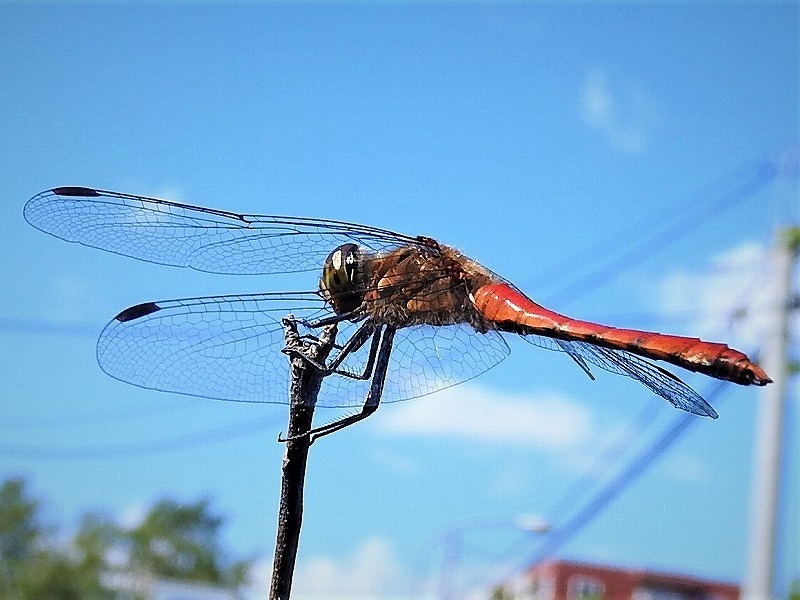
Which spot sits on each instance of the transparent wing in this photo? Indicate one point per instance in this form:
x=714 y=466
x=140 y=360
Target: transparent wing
x=229 y=348
x=657 y=379
x=226 y=347
x=205 y=239
x=426 y=359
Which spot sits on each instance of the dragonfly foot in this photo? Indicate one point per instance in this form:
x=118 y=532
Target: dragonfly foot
x=294 y=352
x=306 y=347
x=294 y=438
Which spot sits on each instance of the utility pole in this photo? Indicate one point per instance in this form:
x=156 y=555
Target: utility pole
x=759 y=582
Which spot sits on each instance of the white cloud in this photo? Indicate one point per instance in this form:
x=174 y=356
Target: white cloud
x=133 y=515
x=687 y=468
x=260 y=576
x=173 y=193
x=623 y=113
x=735 y=301
x=550 y=420
x=371 y=570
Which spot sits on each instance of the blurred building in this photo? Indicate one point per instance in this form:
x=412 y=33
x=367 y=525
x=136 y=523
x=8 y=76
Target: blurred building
x=564 y=580
x=129 y=587
x=178 y=590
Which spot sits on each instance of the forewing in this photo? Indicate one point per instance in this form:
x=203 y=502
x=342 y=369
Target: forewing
x=657 y=379
x=205 y=239
x=229 y=347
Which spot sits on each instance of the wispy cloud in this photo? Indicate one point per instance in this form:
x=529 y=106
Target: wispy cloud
x=684 y=467
x=370 y=570
x=174 y=193
x=543 y=420
x=621 y=111
x=735 y=300
x=170 y=192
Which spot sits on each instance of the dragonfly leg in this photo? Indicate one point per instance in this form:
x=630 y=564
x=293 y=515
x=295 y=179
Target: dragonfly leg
x=306 y=346
x=359 y=339
x=330 y=320
x=356 y=341
x=311 y=337
x=373 y=398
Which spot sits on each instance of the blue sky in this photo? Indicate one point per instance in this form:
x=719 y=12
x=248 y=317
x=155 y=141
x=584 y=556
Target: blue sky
x=543 y=139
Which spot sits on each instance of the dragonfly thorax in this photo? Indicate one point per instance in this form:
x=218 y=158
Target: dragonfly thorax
x=340 y=278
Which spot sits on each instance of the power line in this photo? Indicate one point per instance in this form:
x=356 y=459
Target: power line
x=610 y=491
x=773 y=165
x=754 y=178
x=134 y=450
x=646 y=246
x=49 y=327
x=626 y=438
x=93 y=418
x=579 y=490
x=638 y=426
x=561 y=535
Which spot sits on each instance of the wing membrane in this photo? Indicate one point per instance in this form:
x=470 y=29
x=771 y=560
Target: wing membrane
x=205 y=239
x=427 y=359
x=658 y=380
x=226 y=347
x=229 y=348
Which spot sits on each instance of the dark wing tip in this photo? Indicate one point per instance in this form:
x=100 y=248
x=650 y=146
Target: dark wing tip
x=138 y=311
x=75 y=191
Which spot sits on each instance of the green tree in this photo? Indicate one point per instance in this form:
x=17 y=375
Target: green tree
x=19 y=524
x=96 y=538
x=794 y=590
x=174 y=541
x=501 y=593
x=32 y=565
x=181 y=541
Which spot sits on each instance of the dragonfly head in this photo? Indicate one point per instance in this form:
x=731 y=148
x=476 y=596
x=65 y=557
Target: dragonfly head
x=340 y=276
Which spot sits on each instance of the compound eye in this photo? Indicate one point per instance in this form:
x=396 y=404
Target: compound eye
x=350 y=264
x=338 y=281
x=339 y=270
x=336 y=259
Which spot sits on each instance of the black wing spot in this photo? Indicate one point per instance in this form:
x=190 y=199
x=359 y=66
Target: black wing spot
x=138 y=311
x=75 y=191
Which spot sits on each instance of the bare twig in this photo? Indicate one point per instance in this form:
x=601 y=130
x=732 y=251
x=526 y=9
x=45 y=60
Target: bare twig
x=306 y=382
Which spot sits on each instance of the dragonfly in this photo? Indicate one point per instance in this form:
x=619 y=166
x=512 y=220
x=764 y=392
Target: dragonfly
x=439 y=316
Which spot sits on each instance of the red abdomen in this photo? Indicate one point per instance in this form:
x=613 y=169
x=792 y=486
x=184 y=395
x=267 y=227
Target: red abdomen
x=511 y=310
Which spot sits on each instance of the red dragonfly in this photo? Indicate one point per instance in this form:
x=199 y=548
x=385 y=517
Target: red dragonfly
x=439 y=315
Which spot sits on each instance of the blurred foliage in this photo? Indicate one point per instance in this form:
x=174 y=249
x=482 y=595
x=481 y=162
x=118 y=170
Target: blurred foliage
x=180 y=541
x=174 y=541
x=32 y=564
x=794 y=590
x=500 y=593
